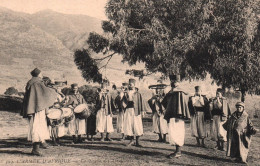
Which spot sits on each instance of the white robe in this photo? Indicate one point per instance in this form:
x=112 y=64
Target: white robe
x=132 y=124
x=104 y=122
x=159 y=124
x=176 y=131
x=77 y=127
x=217 y=132
x=38 y=129
x=120 y=122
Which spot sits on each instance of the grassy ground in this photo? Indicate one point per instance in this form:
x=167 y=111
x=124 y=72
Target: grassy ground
x=15 y=150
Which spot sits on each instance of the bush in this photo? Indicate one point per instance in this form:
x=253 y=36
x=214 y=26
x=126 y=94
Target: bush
x=89 y=93
x=11 y=91
x=11 y=103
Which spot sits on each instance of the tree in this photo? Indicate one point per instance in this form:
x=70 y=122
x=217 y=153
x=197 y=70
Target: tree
x=189 y=38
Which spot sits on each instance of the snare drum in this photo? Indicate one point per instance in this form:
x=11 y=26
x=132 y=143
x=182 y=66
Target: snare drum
x=82 y=111
x=68 y=114
x=54 y=116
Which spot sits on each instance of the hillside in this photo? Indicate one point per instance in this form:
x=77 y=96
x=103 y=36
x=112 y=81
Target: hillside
x=72 y=30
x=24 y=46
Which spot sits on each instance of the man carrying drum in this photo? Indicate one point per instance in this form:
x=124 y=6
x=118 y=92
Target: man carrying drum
x=76 y=126
x=104 y=105
x=57 y=130
x=38 y=98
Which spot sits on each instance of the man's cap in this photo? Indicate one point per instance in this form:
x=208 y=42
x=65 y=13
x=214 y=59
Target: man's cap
x=132 y=81
x=220 y=90
x=74 y=85
x=35 y=72
x=198 y=88
x=240 y=104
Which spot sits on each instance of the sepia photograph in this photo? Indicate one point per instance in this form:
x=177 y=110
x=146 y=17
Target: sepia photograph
x=129 y=82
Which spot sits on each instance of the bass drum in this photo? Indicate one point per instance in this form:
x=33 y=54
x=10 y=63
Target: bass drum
x=68 y=114
x=54 y=117
x=82 y=111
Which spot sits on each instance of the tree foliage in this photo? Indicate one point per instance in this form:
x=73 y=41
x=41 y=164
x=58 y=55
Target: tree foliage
x=189 y=37
x=87 y=65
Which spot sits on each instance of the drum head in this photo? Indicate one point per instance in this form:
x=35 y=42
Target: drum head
x=66 y=112
x=80 y=108
x=54 y=113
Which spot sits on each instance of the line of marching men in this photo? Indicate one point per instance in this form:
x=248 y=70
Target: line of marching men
x=169 y=114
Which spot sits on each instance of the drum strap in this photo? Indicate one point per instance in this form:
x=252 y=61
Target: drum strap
x=78 y=99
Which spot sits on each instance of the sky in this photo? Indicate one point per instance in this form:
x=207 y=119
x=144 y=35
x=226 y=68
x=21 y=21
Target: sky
x=94 y=8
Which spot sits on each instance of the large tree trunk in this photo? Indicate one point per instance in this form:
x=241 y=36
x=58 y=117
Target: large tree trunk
x=243 y=95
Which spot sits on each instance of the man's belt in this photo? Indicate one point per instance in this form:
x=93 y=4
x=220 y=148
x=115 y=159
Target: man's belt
x=130 y=104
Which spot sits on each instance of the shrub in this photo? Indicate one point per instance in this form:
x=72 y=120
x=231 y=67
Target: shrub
x=11 y=91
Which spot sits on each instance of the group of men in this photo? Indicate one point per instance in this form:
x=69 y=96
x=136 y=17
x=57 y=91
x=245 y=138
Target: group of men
x=174 y=108
x=169 y=114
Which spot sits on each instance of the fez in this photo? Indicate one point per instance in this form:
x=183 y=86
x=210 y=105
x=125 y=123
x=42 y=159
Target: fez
x=74 y=85
x=132 y=81
x=197 y=88
x=220 y=90
x=35 y=72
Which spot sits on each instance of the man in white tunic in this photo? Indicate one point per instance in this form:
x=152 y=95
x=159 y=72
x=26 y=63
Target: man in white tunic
x=176 y=105
x=220 y=112
x=133 y=114
x=104 y=105
x=38 y=98
x=77 y=126
x=159 y=123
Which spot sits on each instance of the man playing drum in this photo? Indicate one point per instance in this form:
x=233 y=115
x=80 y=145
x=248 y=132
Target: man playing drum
x=57 y=130
x=38 y=98
x=76 y=126
x=133 y=115
x=104 y=105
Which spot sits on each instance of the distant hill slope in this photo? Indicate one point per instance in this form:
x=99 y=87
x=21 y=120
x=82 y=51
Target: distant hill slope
x=72 y=30
x=24 y=46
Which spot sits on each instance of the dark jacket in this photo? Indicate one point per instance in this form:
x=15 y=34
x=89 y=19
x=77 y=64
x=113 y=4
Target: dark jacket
x=137 y=103
x=204 y=109
x=105 y=102
x=37 y=97
x=176 y=105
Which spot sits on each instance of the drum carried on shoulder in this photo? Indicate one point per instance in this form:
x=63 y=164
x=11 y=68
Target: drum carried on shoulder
x=82 y=111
